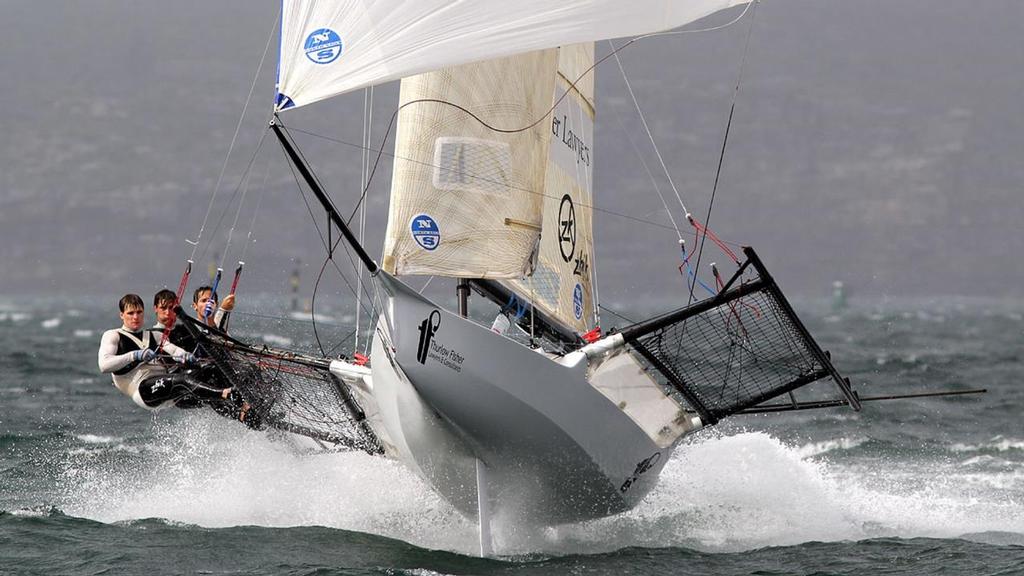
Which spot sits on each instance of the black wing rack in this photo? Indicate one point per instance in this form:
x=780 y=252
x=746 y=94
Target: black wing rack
x=737 y=349
x=288 y=391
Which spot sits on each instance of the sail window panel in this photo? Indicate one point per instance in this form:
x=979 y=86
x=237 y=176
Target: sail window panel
x=543 y=287
x=472 y=165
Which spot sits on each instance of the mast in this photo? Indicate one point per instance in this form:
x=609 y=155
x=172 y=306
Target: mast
x=322 y=196
x=462 y=291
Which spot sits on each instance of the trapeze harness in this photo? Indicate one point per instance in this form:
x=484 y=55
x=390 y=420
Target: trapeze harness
x=149 y=385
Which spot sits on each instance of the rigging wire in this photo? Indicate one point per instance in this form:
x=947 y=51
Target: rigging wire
x=640 y=156
x=224 y=212
x=255 y=212
x=238 y=212
x=643 y=119
x=234 y=138
x=593 y=207
x=650 y=136
x=616 y=314
x=380 y=151
x=725 y=141
x=329 y=247
x=541 y=118
x=365 y=168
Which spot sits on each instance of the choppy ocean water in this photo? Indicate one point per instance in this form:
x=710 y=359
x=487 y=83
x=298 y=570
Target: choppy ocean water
x=91 y=484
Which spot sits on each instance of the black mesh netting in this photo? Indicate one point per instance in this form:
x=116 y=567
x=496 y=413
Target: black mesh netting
x=733 y=351
x=290 y=392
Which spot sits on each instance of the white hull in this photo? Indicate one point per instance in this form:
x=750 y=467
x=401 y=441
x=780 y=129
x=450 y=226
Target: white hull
x=555 y=448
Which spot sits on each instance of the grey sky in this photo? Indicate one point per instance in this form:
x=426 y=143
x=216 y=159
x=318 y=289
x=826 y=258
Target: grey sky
x=874 y=142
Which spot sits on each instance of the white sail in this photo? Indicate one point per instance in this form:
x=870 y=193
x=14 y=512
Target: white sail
x=466 y=198
x=561 y=283
x=329 y=47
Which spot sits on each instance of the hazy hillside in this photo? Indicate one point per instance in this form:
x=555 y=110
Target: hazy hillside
x=875 y=142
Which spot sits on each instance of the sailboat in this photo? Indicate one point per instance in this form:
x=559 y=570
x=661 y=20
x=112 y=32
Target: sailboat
x=538 y=416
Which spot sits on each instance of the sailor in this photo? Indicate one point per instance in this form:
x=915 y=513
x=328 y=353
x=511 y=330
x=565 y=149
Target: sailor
x=128 y=354
x=163 y=304
x=200 y=298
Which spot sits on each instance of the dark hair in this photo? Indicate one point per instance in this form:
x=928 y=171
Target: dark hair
x=200 y=290
x=164 y=296
x=131 y=301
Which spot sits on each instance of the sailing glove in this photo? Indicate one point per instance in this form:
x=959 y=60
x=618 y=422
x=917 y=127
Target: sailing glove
x=143 y=355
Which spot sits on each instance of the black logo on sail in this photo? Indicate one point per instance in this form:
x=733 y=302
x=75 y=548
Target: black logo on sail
x=428 y=328
x=567 y=228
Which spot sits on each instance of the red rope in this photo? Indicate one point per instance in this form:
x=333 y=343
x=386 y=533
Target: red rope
x=700 y=229
x=177 y=302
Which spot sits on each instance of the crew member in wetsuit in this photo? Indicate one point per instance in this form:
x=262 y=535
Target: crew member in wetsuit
x=200 y=298
x=127 y=354
x=164 y=302
x=163 y=305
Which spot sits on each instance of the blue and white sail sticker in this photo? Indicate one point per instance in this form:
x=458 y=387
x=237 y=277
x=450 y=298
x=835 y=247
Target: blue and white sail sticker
x=577 y=301
x=425 y=231
x=323 y=46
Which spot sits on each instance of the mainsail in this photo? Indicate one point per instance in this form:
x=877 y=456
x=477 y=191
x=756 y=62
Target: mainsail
x=466 y=198
x=491 y=158
x=561 y=284
x=333 y=47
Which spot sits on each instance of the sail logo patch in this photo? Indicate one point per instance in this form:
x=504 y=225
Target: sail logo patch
x=323 y=46
x=577 y=301
x=425 y=232
x=567 y=228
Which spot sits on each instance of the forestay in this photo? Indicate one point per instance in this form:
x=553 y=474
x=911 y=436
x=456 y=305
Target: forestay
x=329 y=47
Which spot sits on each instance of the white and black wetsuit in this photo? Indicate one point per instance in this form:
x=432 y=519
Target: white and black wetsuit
x=149 y=384
x=183 y=338
x=206 y=374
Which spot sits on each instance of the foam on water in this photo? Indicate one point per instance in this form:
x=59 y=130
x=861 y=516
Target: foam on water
x=730 y=493
x=750 y=490
x=210 y=472
x=277 y=340
x=824 y=447
x=96 y=439
x=997 y=443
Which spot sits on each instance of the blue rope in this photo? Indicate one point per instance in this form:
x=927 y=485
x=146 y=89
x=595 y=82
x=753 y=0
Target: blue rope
x=693 y=277
x=514 y=303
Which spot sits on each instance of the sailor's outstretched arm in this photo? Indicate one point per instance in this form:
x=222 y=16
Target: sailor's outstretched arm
x=109 y=359
x=177 y=353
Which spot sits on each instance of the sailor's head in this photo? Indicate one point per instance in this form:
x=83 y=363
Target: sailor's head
x=131 y=311
x=163 y=304
x=200 y=297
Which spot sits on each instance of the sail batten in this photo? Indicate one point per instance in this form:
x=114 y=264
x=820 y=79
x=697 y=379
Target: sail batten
x=466 y=199
x=561 y=284
x=329 y=47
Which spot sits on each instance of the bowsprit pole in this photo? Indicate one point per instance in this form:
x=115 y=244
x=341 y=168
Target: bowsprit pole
x=208 y=309
x=177 y=302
